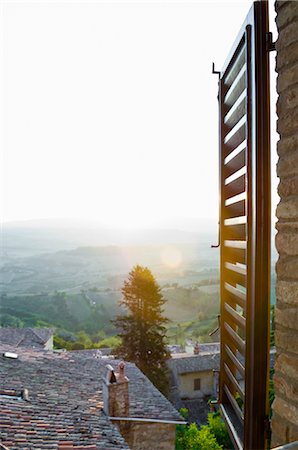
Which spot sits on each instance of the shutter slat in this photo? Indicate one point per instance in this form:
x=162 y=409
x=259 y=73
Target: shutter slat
x=235 y=210
x=235 y=255
x=235 y=360
x=237 y=110
x=235 y=175
x=235 y=231
x=240 y=344
x=237 y=318
x=235 y=187
x=235 y=199
x=236 y=268
x=237 y=134
x=230 y=154
x=236 y=88
x=235 y=164
x=235 y=68
x=234 y=381
x=234 y=404
x=239 y=296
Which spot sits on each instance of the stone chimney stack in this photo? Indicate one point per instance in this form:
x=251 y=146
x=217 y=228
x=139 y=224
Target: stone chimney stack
x=115 y=392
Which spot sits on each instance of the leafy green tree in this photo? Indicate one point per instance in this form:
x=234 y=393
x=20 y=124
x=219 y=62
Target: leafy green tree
x=142 y=329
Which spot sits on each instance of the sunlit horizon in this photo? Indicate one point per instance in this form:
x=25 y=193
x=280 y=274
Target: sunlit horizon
x=110 y=111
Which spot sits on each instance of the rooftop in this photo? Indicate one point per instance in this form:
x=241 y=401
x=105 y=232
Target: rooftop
x=29 y=337
x=65 y=403
x=182 y=363
x=185 y=363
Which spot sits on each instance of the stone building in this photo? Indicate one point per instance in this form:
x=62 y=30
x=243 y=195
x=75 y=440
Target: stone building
x=194 y=376
x=28 y=337
x=54 y=400
x=194 y=380
x=285 y=407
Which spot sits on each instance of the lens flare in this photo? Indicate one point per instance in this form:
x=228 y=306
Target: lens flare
x=171 y=257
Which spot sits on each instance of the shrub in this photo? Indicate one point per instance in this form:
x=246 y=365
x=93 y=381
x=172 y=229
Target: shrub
x=219 y=430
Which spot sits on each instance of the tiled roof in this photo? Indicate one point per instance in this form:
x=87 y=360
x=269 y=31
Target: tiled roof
x=181 y=364
x=194 y=363
x=36 y=337
x=65 y=400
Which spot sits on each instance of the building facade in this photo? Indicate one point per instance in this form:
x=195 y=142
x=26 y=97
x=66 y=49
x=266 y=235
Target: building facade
x=285 y=406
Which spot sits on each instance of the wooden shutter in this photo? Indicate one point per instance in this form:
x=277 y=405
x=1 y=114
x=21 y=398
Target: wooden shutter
x=245 y=219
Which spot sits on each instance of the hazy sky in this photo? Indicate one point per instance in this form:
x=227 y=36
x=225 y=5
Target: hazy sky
x=109 y=109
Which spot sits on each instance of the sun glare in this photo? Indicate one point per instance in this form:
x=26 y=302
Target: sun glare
x=171 y=257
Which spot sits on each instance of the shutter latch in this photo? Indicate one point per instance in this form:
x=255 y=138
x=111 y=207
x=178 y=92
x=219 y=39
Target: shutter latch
x=216 y=72
x=217 y=328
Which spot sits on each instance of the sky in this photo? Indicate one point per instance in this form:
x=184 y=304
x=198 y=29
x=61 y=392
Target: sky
x=109 y=110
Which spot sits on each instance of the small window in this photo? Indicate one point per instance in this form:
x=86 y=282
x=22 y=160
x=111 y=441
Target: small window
x=197 y=384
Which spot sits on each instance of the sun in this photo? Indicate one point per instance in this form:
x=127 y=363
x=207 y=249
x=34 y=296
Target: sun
x=171 y=257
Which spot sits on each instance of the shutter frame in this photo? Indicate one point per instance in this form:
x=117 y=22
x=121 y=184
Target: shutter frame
x=247 y=425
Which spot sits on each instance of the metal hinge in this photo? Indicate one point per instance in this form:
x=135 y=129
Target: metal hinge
x=270 y=45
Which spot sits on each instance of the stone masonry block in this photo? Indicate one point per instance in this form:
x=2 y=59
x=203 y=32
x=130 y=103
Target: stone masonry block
x=285 y=387
x=287 y=77
x=287 y=36
x=288 y=165
x=286 y=410
x=287 y=145
x=287 y=57
x=287 y=268
x=287 y=227
x=288 y=122
x=287 y=209
x=287 y=291
x=288 y=316
x=286 y=340
x=287 y=14
x=289 y=100
x=287 y=364
x=284 y=431
x=288 y=186
x=279 y=4
x=287 y=243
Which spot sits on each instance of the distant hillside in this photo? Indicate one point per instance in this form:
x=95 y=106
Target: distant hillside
x=104 y=267
x=35 y=237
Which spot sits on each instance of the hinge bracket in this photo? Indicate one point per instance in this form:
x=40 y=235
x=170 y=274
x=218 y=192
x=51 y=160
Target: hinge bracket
x=270 y=45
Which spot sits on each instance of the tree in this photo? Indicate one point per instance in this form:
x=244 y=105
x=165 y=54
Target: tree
x=142 y=329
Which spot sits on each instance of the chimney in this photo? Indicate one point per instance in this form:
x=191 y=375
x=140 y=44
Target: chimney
x=115 y=392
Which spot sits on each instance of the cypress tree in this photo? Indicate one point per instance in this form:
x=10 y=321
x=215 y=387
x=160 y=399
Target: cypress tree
x=142 y=328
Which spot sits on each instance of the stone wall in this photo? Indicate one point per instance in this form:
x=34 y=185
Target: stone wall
x=285 y=407
x=186 y=384
x=148 y=436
